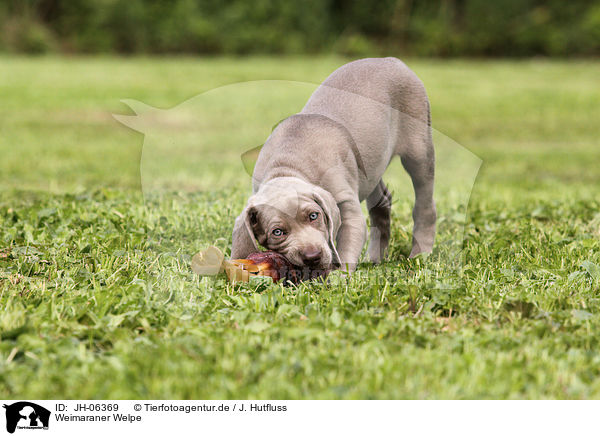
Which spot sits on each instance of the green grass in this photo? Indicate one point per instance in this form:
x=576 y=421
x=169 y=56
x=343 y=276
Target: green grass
x=98 y=301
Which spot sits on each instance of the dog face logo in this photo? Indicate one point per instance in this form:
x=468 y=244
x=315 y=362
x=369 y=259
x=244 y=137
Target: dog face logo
x=26 y=415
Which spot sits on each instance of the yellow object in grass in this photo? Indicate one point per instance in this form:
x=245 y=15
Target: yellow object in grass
x=211 y=262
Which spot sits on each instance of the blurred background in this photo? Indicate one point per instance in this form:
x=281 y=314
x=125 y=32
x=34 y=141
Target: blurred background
x=353 y=28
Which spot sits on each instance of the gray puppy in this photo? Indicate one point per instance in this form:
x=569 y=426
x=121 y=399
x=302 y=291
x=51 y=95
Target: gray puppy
x=317 y=167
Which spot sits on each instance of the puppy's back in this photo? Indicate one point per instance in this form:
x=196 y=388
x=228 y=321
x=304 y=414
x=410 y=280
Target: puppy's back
x=387 y=81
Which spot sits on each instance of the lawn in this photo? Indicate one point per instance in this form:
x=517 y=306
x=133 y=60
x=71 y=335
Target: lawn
x=98 y=300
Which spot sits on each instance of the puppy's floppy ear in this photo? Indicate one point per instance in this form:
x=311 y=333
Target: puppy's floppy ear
x=243 y=240
x=332 y=217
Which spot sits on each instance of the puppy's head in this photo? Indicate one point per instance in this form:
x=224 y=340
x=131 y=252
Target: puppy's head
x=291 y=217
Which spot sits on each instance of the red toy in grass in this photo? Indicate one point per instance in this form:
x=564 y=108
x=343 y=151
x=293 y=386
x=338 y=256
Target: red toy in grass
x=272 y=264
x=263 y=263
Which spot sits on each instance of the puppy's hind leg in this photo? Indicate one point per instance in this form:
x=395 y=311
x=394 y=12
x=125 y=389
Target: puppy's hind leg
x=379 y=204
x=419 y=162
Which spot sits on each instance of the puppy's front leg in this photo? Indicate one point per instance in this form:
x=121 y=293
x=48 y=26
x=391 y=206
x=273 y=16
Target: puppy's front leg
x=351 y=235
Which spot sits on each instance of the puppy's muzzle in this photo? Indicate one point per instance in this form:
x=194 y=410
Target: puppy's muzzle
x=311 y=256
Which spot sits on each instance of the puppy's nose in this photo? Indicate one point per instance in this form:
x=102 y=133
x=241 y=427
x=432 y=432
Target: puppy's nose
x=311 y=255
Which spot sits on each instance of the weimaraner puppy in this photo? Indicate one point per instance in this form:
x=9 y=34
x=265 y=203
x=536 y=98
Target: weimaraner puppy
x=317 y=167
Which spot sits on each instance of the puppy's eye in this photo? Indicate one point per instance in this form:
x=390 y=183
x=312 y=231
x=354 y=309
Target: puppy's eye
x=313 y=216
x=277 y=232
